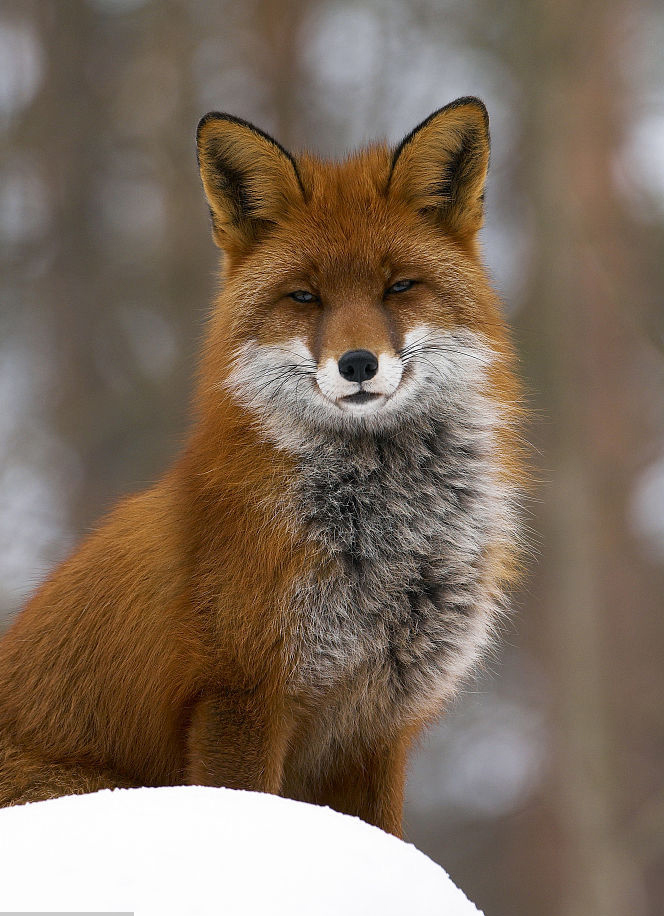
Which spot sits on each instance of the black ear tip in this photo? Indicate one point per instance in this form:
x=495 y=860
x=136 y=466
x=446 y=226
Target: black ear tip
x=469 y=101
x=466 y=101
x=247 y=125
x=214 y=116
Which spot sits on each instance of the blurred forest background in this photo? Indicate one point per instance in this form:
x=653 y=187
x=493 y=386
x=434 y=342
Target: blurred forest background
x=542 y=791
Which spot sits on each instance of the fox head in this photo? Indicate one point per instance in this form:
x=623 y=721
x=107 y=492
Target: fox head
x=353 y=296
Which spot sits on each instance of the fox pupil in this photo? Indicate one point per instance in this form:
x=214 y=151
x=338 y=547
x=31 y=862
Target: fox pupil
x=400 y=286
x=302 y=295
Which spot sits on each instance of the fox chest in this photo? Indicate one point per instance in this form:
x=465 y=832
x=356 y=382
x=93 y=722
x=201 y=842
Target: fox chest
x=397 y=606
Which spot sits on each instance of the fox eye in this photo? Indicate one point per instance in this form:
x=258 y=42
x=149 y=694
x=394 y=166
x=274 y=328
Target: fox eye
x=400 y=286
x=303 y=295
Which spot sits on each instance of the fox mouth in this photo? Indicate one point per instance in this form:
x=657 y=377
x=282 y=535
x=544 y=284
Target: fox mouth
x=360 y=397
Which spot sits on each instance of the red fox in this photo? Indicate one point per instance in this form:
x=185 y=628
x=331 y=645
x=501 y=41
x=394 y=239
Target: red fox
x=301 y=593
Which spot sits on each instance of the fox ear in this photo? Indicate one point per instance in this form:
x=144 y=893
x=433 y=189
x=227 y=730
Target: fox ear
x=249 y=179
x=440 y=168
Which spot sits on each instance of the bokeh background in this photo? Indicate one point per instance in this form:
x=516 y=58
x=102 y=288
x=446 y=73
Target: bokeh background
x=542 y=791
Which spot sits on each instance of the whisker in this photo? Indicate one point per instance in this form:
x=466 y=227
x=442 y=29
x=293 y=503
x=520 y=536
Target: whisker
x=276 y=371
x=432 y=365
x=296 y=393
x=415 y=349
x=304 y=360
x=287 y=373
x=287 y=378
x=424 y=338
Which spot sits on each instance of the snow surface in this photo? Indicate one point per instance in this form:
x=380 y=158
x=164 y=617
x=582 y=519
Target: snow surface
x=194 y=850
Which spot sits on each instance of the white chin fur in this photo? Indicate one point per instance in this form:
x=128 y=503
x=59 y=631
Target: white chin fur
x=361 y=409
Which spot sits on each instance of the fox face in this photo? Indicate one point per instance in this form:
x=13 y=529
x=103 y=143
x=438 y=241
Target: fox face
x=353 y=295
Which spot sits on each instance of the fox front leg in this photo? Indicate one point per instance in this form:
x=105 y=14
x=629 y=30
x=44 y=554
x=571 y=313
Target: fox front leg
x=368 y=783
x=236 y=739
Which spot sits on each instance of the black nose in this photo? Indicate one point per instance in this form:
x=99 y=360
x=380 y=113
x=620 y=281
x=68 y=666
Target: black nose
x=358 y=365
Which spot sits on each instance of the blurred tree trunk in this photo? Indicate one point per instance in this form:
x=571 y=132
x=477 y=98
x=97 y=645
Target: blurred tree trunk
x=67 y=293
x=279 y=26
x=582 y=352
x=120 y=422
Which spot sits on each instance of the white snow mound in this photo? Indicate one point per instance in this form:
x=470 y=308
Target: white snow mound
x=193 y=850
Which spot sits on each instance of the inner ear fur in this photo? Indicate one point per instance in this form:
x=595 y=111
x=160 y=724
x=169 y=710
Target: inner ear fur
x=249 y=179
x=440 y=168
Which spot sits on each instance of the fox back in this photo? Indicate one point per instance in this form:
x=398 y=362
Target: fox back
x=331 y=552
